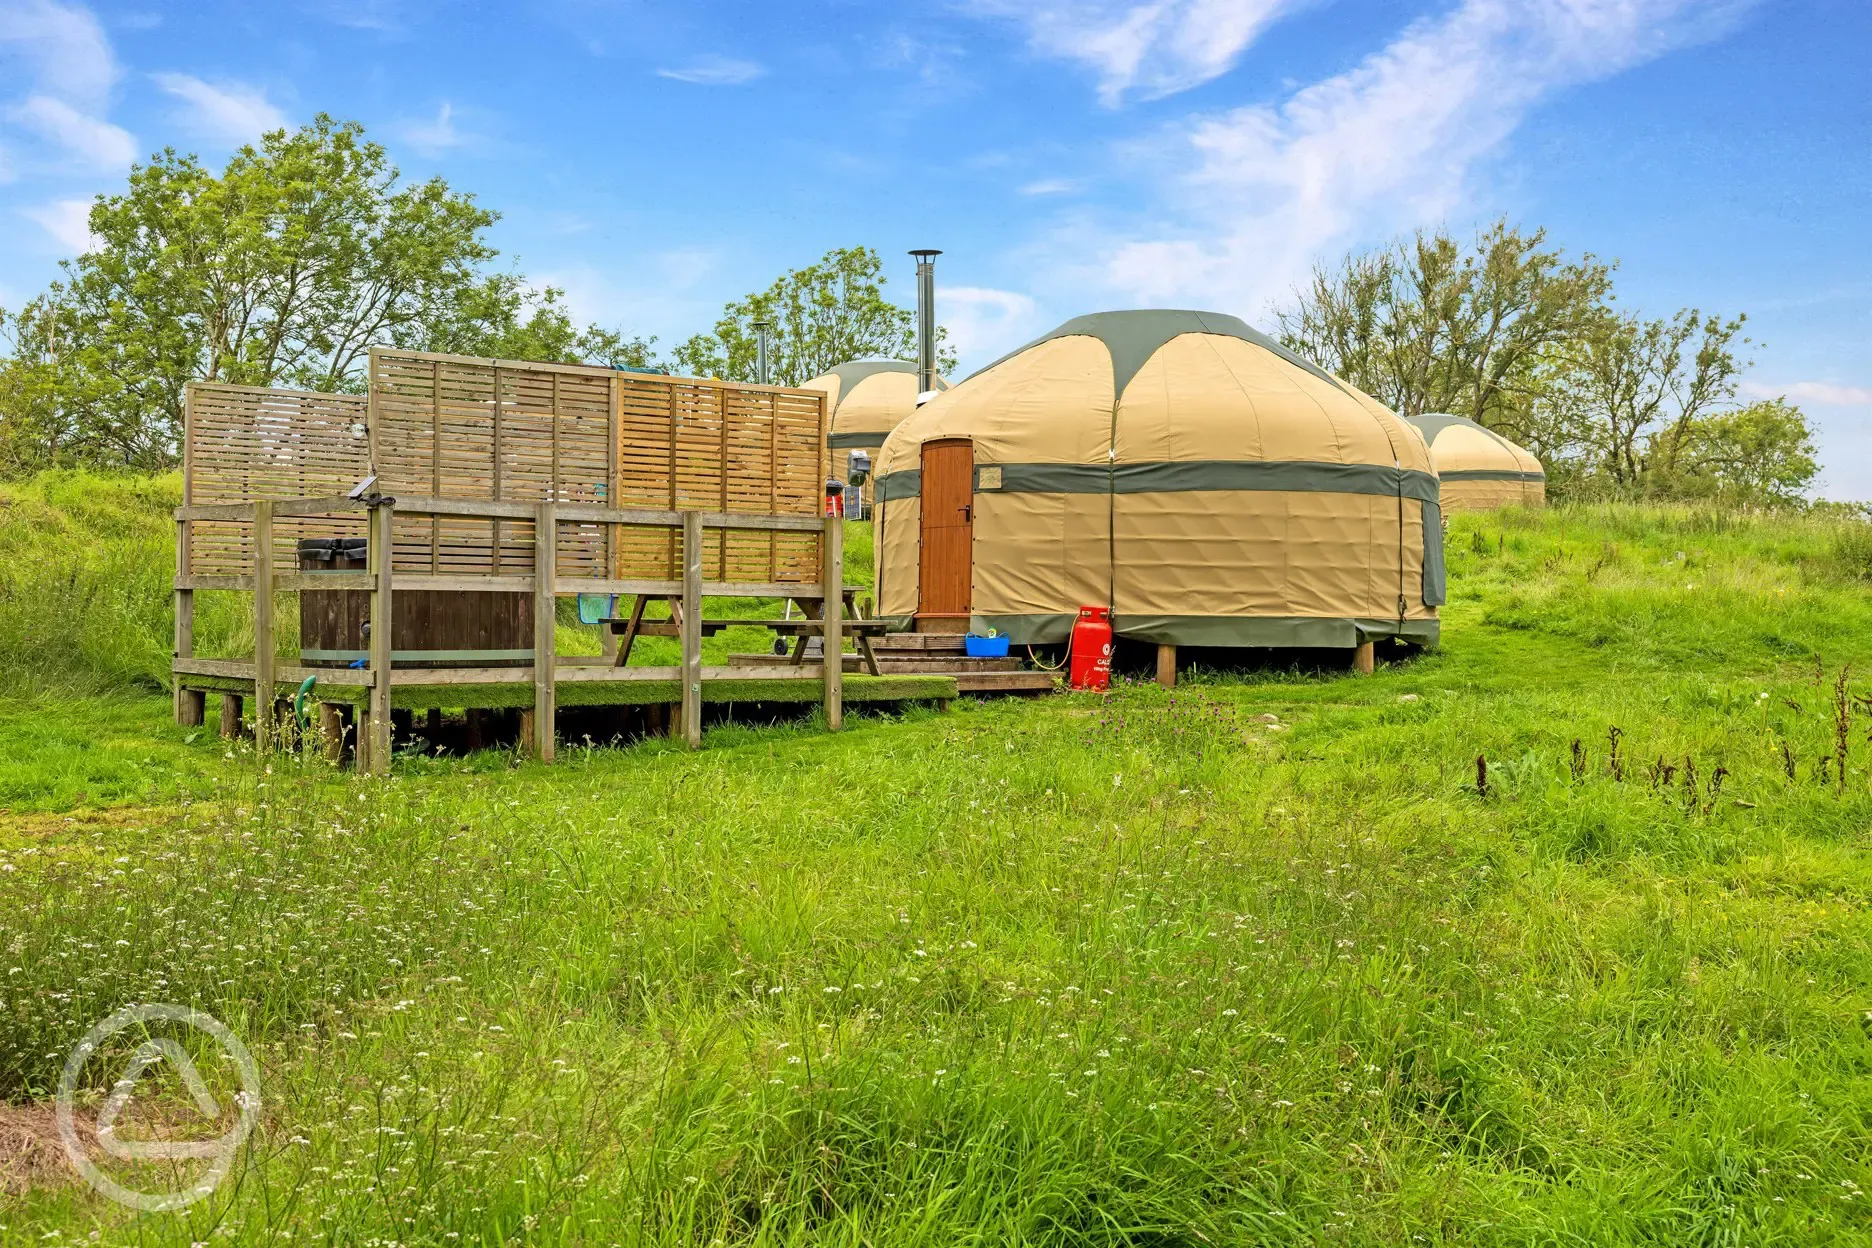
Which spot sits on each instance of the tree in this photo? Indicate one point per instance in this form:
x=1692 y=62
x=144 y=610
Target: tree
x=824 y=315
x=1630 y=390
x=1763 y=453
x=501 y=316
x=284 y=269
x=1427 y=326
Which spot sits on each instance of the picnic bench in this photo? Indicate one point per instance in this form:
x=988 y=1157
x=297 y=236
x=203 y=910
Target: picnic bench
x=810 y=623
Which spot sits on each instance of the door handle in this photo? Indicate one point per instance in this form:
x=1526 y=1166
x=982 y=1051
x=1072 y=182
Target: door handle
x=968 y=513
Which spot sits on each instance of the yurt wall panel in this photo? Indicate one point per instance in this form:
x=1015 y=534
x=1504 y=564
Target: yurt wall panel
x=243 y=443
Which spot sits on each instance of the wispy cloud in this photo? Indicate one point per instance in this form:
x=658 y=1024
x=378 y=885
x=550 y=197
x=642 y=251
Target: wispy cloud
x=1258 y=193
x=230 y=113
x=59 y=49
x=61 y=60
x=668 y=293
x=1819 y=393
x=435 y=136
x=984 y=322
x=1155 y=48
x=102 y=146
x=67 y=221
x=381 y=16
x=1050 y=186
x=715 y=71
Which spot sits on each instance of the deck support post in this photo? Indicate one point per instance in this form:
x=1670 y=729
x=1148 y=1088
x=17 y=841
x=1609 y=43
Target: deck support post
x=1166 y=666
x=265 y=723
x=545 y=621
x=832 y=655
x=692 y=628
x=1365 y=658
x=382 y=558
x=231 y=716
x=189 y=703
x=331 y=731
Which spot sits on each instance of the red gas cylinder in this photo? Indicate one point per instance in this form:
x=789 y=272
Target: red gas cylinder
x=1092 y=649
x=835 y=498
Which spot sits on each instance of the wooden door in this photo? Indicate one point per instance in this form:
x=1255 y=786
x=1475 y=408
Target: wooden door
x=948 y=530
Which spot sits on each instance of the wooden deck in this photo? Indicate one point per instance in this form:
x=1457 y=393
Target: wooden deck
x=381 y=687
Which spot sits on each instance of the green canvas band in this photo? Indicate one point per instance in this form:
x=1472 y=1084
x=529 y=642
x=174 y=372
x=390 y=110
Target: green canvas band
x=1220 y=631
x=1491 y=474
x=1179 y=476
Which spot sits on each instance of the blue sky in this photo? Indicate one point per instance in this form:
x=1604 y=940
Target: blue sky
x=657 y=158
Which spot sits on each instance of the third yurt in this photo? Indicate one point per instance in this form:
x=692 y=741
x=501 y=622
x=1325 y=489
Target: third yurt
x=1205 y=484
x=865 y=400
x=1478 y=467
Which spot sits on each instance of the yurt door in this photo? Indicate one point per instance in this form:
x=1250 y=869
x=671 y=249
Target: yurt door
x=948 y=533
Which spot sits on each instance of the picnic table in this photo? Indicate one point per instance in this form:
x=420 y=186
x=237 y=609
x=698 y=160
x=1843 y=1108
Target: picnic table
x=810 y=623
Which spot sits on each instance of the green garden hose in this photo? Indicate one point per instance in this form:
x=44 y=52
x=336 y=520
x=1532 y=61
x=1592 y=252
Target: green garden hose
x=299 y=711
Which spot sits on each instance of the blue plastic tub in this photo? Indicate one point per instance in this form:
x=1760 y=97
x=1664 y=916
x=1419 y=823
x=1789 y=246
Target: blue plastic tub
x=986 y=647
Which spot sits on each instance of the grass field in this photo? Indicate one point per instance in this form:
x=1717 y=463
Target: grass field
x=1254 y=961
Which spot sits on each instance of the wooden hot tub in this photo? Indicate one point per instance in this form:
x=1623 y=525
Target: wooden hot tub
x=430 y=628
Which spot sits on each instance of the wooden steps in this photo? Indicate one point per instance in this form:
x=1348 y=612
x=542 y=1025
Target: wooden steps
x=1005 y=682
x=893 y=664
x=929 y=654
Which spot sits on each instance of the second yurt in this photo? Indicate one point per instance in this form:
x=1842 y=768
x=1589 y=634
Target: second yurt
x=1479 y=468
x=865 y=400
x=1205 y=484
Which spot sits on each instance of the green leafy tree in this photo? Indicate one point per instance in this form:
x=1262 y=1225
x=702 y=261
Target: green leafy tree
x=284 y=269
x=823 y=315
x=501 y=316
x=1630 y=390
x=1763 y=453
x=1429 y=325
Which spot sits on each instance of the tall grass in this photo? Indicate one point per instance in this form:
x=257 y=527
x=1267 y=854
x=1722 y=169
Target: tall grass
x=1252 y=961
x=86 y=571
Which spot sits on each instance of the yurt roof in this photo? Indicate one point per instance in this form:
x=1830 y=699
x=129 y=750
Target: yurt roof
x=1126 y=390
x=1133 y=336
x=1460 y=446
x=867 y=399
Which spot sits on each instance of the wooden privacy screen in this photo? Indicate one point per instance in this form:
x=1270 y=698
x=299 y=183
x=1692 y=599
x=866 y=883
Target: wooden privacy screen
x=512 y=431
x=241 y=443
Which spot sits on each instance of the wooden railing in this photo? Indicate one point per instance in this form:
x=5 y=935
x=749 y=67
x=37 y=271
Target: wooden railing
x=382 y=581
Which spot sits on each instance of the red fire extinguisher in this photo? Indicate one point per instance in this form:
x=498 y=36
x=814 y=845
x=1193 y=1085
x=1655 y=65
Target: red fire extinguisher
x=835 y=498
x=1092 y=649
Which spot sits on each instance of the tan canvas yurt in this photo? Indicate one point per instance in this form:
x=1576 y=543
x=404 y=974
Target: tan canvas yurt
x=1206 y=484
x=1479 y=468
x=865 y=400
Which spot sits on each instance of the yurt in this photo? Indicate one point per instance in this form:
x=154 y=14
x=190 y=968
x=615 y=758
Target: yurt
x=1479 y=468
x=866 y=399
x=1208 y=486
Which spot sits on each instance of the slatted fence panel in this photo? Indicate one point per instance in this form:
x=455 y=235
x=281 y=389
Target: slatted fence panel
x=244 y=443
x=511 y=431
